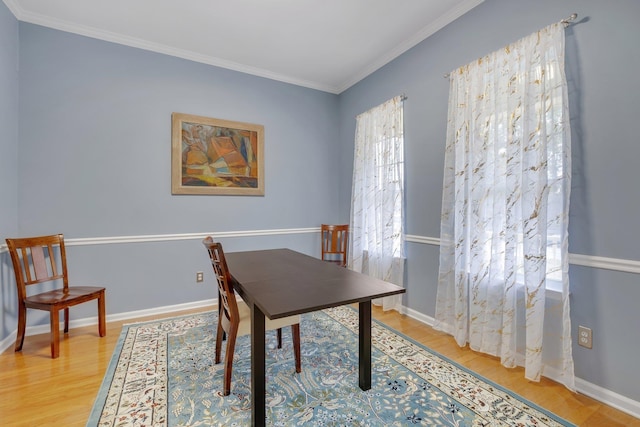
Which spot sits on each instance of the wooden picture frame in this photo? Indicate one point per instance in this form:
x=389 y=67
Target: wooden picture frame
x=214 y=156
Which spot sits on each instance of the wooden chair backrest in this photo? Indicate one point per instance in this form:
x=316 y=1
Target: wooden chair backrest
x=226 y=296
x=335 y=239
x=34 y=261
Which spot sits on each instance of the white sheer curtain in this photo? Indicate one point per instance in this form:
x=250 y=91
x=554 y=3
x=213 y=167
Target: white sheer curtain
x=377 y=204
x=505 y=207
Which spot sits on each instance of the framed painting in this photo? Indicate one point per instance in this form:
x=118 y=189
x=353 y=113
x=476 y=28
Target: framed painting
x=213 y=156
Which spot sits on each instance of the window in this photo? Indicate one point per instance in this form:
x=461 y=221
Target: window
x=377 y=207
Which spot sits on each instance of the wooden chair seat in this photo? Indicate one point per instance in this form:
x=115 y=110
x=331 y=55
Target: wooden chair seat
x=73 y=296
x=244 y=327
x=43 y=259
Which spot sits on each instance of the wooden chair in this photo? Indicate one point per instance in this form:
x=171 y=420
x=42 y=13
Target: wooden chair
x=335 y=239
x=234 y=317
x=34 y=261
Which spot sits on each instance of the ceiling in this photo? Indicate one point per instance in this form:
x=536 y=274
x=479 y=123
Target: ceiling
x=327 y=45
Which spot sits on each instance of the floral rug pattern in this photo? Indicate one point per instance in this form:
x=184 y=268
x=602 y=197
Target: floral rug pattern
x=162 y=374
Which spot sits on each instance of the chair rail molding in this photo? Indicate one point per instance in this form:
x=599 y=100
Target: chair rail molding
x=86 y=241
x=606 y=396
x=615 y=264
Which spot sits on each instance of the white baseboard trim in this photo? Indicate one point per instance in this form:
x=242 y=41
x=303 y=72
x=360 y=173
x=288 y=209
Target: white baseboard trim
x=8 y=342
x=596 y=392
x=89 y=321
x=161 y=310
x=423 y=318
x=608 y=397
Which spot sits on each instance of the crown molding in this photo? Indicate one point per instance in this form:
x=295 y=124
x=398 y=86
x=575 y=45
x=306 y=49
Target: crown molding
x=58 y=24
x=420 y=36
x=70 y=27
x=14 y=7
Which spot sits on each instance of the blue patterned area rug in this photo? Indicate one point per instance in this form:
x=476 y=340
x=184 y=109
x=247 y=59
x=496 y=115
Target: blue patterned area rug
x=162 y=374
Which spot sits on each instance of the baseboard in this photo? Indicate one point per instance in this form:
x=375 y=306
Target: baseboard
x=608 y=397
x=423 y=318
x=89 y=321
x=596 y=392
x=160 y=310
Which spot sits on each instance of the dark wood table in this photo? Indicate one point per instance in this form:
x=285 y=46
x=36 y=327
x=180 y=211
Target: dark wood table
x=280 y=282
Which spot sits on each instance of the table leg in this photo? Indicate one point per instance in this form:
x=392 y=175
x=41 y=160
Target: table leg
x=258 y=414
x=364 y=345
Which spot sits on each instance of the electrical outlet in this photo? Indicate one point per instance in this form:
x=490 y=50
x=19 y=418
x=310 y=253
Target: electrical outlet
x=199 y=277
x=585 y=339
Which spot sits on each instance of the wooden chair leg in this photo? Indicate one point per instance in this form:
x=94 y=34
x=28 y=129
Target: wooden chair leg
x=55 y=332
x=228 y=361
x=279 y=333
x=219 y=337
x=66 y=320
x=102 y=323
x=22 y=326
x=295 y=333
x=220 y=314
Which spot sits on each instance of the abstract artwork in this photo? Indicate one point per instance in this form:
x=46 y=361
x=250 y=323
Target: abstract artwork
x=213 y=156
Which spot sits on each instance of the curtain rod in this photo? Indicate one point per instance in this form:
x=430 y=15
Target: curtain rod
x=569 y=20
x=566 y=22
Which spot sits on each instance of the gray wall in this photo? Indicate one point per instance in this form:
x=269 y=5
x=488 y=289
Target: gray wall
x=603 y=58
x=8 y=120
x=95 y=154
x=96 y=118
x=91 y=158
x=8 y=153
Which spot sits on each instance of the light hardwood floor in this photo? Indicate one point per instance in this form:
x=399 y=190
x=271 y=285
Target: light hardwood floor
x=36 y=390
